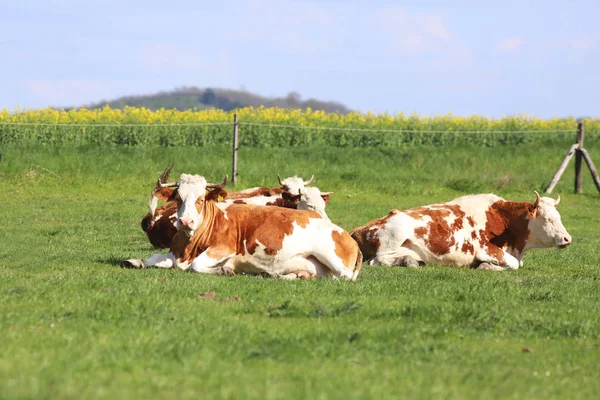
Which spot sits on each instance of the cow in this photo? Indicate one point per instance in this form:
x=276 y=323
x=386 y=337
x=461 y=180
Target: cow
x=159 y=223
x=481 y=231
x=216 y=238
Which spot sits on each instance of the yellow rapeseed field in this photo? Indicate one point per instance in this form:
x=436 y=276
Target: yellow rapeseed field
x=279 y=116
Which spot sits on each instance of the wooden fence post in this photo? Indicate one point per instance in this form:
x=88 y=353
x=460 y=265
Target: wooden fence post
x=234 y=172
x=579 y=158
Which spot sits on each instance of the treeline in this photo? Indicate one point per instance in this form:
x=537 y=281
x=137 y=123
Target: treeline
x=187 y=98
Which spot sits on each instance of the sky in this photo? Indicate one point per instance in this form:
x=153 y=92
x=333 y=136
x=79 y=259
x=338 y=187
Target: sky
x=540 y=58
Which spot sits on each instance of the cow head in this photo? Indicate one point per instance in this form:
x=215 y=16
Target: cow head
x=310 y=198
x=293 y=184
x=545 y=226
x=191 y=194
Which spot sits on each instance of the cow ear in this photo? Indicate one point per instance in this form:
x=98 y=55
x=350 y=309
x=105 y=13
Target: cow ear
x=326 y=196
x=218 y=194
x=532 y=210
x=172 y=196
x=164 y=194
x=291 y=198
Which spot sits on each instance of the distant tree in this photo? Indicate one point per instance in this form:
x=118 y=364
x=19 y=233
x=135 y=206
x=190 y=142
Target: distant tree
x=208 y=97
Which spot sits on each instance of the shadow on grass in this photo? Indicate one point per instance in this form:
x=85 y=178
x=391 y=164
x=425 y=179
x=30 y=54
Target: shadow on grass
x=110 y=260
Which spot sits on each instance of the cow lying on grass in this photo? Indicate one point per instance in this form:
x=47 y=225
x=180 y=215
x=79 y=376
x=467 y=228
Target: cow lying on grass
x=159 y=223
x=217 y=238
x=481 y=231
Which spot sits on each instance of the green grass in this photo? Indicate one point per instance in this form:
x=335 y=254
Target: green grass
x=74 y=325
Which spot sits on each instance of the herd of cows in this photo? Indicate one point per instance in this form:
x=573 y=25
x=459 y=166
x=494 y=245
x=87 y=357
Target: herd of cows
x=284 y=232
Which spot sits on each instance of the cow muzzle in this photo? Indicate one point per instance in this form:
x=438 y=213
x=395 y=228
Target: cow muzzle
x=564 y=242
x=186 y=224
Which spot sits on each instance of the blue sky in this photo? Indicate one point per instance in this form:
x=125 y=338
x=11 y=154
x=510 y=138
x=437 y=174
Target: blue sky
x=432 y=57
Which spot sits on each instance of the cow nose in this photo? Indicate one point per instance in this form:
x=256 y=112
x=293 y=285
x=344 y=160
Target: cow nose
x=185 y=222
x=567 y=240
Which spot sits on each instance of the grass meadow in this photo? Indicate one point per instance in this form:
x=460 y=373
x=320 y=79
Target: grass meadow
x=74 y=325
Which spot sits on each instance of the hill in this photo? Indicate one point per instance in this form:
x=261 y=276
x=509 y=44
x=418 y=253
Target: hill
x=226 y=99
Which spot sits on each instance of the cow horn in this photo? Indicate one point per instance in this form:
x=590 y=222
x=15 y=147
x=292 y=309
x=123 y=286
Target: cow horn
x=217 y=185
x=537 y=200
x=327 y=193
x=163 y=177
x=557 y=201
x=309 y=181
x=280 y=180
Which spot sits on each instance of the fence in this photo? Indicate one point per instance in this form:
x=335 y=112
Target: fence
x=267 y=134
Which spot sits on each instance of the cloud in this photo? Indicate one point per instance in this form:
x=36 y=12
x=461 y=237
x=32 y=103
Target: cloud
x=510 y=45
x=412 y=33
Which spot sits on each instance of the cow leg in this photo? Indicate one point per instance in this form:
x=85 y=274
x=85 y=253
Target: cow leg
x=155 y=260
x=335 y=265
x=402 y=257
x=208 y=265
x=408 y=261
x=484 y=266
x=504 y=260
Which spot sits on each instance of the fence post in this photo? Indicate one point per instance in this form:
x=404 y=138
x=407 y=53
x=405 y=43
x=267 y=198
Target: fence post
x=234 y=173
x=579 y=157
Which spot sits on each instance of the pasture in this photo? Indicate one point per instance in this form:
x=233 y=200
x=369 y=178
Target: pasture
x=75 y=325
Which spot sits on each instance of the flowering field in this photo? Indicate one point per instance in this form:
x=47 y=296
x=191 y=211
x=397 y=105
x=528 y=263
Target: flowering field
x=276 y=127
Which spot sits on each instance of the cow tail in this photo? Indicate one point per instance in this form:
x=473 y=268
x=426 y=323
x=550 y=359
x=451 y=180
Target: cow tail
x=358 y=265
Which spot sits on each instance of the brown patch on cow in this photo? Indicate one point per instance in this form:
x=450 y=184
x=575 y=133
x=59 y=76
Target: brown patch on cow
x=471 y=222
x=468 y=247
x=261 y=191
x=438 y=234
x=420 y=232
x=239 y=202
x=290 y=197
x=346 y=249
x=507 y=224
x=158 y=227
x=473 y=234
x=366 y=235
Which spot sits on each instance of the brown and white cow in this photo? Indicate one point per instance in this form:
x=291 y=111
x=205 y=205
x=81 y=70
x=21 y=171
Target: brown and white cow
x=217 y=238
x=159 y=223
x=482 y=231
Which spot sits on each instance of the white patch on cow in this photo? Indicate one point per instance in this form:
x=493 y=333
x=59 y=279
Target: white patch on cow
x=190 y=189
x=256 y=200
x=152 y=204
x=223 y=207
x=207 y=265
x=310 y=199
x=160 y=260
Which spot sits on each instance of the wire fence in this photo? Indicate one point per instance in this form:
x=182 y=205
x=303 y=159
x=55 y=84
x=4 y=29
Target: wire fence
x=254 y=133
x=283 y=126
